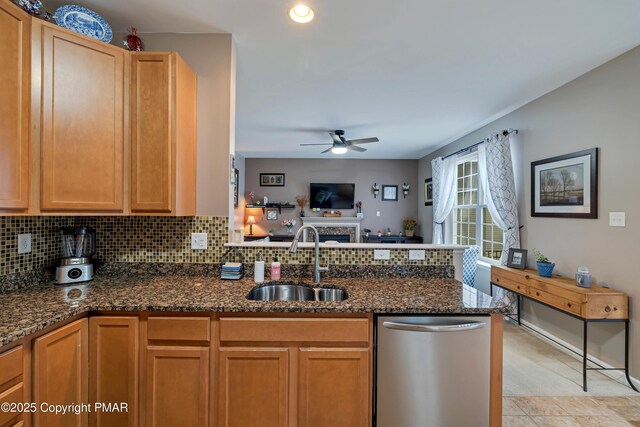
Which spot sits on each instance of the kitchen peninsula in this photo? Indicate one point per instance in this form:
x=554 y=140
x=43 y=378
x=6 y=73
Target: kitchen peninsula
x=136 y=329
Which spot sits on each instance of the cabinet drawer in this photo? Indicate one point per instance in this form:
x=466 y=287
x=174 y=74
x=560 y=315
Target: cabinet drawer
x=10 y=367
x=556 y=301
x=261 y=329
x=559 y=291
x=510 y=284
x=179 y=329
x=14 y=395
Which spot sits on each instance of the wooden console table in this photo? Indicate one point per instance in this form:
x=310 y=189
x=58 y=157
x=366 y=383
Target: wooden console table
x=594 y=304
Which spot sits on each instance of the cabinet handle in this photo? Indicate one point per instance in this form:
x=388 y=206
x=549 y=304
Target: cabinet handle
x=569 y=304
x=498 y=279
x=526 y=276
x=607 y=309
x=537 y=294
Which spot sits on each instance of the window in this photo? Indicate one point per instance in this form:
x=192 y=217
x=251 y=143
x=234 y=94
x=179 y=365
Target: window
x=472 y=221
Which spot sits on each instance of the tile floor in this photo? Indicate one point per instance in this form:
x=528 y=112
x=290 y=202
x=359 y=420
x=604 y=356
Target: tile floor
x=569 y=411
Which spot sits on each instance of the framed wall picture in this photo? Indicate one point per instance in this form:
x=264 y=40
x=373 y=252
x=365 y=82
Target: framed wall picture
x=271 y=180
x=517 y=258
x=235 y=187
x=272 y=214
x=428 y=192
x=566 y=186
x=390 y=193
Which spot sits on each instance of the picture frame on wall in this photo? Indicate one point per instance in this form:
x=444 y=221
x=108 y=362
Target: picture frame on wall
x=390 y=193
x=271 y=180
x=566 y=186
x=236 y=175
x=517 y=258
x=272 y=214
x=428 y=192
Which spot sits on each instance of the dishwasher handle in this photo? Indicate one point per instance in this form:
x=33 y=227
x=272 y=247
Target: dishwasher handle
x=417 y=327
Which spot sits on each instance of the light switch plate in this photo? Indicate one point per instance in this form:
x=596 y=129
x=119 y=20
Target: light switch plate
x=617 y=219
x=416 y=254
x=24 y=243
x=381 y=254
x=199 y=241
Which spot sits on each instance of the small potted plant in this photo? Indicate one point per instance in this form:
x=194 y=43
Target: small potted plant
x=545 y=267
x=409 y=225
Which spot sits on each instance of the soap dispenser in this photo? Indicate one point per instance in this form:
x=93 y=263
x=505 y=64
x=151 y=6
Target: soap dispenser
x=275 y=269
x=258 y=269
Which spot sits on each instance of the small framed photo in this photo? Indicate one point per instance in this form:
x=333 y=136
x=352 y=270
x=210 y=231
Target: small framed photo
x=271 y=180
x=428 y=192
x=517 y=258
x=566 y=186
x=390 y=193
x=272 y=214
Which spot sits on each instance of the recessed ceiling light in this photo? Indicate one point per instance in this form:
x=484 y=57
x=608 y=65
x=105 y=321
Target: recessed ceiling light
x=339 y=150
x=301 y=14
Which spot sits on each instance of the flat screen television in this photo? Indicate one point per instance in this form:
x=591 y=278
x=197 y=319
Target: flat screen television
x=331 y=196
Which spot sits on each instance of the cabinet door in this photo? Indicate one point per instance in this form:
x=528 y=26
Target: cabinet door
x=114 y=369
x=60 y=375
x=253 y=387
x=177 y=386
x=152 y=151
x=15 y=73
x=333 y=387
x=82 y=124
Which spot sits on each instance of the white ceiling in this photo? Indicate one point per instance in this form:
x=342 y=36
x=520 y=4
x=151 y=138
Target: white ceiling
x=416 y=74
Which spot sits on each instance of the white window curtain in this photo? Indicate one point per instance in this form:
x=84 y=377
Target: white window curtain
x=495 y=172
x=443 y=173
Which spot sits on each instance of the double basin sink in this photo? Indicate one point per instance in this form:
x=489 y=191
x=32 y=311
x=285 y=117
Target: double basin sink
x=296 y=292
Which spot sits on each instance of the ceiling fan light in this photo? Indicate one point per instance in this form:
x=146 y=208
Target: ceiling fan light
x=301 y=14
x=339 y=150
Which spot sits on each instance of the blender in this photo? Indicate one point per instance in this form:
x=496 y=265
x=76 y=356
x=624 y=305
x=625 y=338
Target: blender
x=78 y=246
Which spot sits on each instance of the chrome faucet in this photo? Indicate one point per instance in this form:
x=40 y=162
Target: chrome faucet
x=294 y=247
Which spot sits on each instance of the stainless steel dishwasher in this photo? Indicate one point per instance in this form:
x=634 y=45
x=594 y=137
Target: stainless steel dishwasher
x=432 y=371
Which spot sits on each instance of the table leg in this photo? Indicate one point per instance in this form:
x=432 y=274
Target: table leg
x=584 y=357
x=518 y=299
x=626 y=354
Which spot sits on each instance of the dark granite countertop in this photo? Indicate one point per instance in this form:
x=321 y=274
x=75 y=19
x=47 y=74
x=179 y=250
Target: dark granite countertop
x=26 y=311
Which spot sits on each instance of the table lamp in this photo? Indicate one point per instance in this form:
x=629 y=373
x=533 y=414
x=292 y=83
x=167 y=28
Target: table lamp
x=251 y=220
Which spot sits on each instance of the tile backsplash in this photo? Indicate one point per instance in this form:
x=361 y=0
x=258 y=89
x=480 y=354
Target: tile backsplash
x=153 y=239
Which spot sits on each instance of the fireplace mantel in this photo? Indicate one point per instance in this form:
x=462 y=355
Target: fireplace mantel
x=331 y=222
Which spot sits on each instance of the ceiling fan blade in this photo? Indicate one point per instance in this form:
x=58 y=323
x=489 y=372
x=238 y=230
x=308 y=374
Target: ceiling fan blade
x=356 y=148
x=363 y=140
x=327 y=150
x=324 y=143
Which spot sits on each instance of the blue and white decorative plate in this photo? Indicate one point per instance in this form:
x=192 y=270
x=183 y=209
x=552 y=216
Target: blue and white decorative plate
x=83 y=21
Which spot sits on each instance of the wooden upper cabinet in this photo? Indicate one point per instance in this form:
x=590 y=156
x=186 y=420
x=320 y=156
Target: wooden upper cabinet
x=60 y=374
x=163 y=135
x=15 y=75
x=83 y=123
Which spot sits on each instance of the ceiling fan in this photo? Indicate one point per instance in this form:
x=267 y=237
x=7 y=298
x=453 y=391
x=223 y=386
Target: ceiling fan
x=341 y=145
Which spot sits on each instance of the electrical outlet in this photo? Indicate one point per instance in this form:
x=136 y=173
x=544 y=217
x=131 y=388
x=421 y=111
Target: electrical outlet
x=381 y=254
x=377 y=213
x=617 y=219
x=199 y=241
x=416 y=254
x=24 y=243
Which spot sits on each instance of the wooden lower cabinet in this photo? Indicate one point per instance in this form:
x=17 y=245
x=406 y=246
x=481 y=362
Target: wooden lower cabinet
x=60 y=374
x=333 y=387
x=114 y=372
x=253 y=387
x=177 y=386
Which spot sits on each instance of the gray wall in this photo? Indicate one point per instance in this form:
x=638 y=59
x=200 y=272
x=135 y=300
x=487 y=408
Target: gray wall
x=300 y=172
x=599 y=109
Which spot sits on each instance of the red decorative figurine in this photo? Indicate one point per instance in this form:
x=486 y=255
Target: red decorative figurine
x=133 y=42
